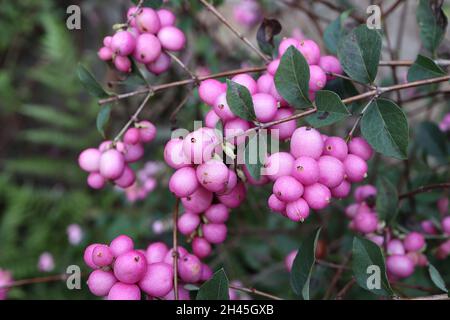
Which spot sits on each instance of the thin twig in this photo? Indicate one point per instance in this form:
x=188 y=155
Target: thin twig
x=337 y=276
x=173 y=116
x=255 y=291
x=423 y=189
x=358 y=120
x=18 y=283
x=341 y=294
x=182 y=65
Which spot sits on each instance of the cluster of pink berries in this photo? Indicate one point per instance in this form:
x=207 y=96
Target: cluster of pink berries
x=317 y=168
x=364 y=218
x=110 y=161
x=444 y=125
x=433 y=228
x=5 y=279
x=149 y=34
x=121 y=272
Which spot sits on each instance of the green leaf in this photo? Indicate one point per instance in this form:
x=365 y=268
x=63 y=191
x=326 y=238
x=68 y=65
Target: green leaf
x=432 y=23
x=330 y=109
x=303 y=265
x=335 y=31
x=215 y=288
x=103 y=119
x=268 y=29
x=255 y=150
x=369 y=268
x=89 y=82
x=150 y=3
x=240 y=101
x=292 y=79
x=424 y=68
x=359 y=53
x=430 y=138
x=437 y=278
x=385 y=127
x=387 y=200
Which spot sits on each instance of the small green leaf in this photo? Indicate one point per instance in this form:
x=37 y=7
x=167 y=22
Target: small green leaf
x=424 y=68
x=330 y=109
x=150 y=3
x=215 y=288
x=255 y=151
x=359 y=53
x=385 y=127
x=431 y=139
x=335 y=31
x=437 y=278
x=292 y=79
x=103 y=119
x=240 y=101
x=387 y=200
x=432 y=23
x=369 y=268
x=303 y=265
x=89 y=82
x=268 y=29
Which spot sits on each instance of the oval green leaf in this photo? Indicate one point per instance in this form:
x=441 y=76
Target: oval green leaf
x=240 y=101
x=215 y=288
x=330 y=109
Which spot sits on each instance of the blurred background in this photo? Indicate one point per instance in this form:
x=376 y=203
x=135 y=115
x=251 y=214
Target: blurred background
x=47 y=118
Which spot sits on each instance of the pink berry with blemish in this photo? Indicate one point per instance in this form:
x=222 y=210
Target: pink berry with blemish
x=147 y=21
x=306 y=170
x=355 y=168
x=297 y=210
x=317 y=78
x=123 y=43
x=198 y=201
x=148 y=48
x=336 y=147
x=287 y=189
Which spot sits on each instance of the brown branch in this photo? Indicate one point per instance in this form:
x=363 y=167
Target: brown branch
x=339 y=10
x=341 y=294
x=182 y=65
x=392 y=8
x=255 y=291
x=175 y=248
x=18 y=283
x=423 y=189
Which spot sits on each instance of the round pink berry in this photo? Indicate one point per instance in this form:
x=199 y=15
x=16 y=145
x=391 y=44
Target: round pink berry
x=147 y=131
x=286 y=43
x=188 y=222
x=235 y=197
x=366 y=222
x=160 y=65
x=123 y=64
x=89 y=160
x=127 y=178
x=183 y=182
x=198 y=201
x=172 y=38
x=287 y=189
x=355 y=168
x=364 y=192
x=222 y=108
x=400 y=266
x=209 y=90
x=297 y=210
x=130 y=267
x=214 y=232
x=199 y=145
x=351 y=210
x=95 y=180
x=341 y=191
x=235 y=129
x=123 y=43
x=174 y=155
x=201 y=247
x=148 y=48
x=306 y=141
x=121 y=244
x=359 y=147
x=265 y=83
x=331 y=171
x=158 y=279
x=279 y=164
x=133 y=153
x=105 y=54
x=283 y=130
x=276 y=204
x=446 y=225
x=310 y=50
x=190 y=268
x=306 y=170
x=317 y=196
x=317 y=78
x=211 y=119
x=87 y=257
x=330 y=64
x=429 y=227
x=100 y=282
x=102 y=255
x=156 y=252
x=112 y=164
x=131 y=136
x=335 y=147
x=414 y=241
x=246 y=81
x=273 y=67
x=395 y=246
x=148 y=21
x=217 y=213
x=265 y=107
x=166 y=17
x=124 y=291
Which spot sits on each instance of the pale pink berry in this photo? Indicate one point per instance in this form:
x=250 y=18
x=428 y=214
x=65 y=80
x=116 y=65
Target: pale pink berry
x=286 y=43
x=174 y=155
x=355 y=168
x=351 y=210
x=121 y=244
x=428 y=227
x=287 y=189
x=123 y=291
x=235 y=129
x=378 y=240
x=131 y=136
x=400 y=266
x=198 y=201
x=359 y=147
x=306 y=141
x=148 y=21
x=89 y=160
x=133 y=153
x=147 y=131
x=317 y=78
x=123 y=43
x=183 y=294
x=336 y=147
x=366 y=222
x=276 y=204
x=310 y=50
x=286 y=129
x=279 y=164
x=130 y=267
x=122 y=64
x=414 y=241
x=95 y=180
x=235 y=197
x=341 y=191
x=364 y=192
x=306 y=170
x=214 y=232
x=188 y=222
x=158 y=279
x=105 y=54
x=209 y=90
x=107 y=41
x=207 y=273
x=419 y=259
x=172 y=38
x=222 y=108
x=199 y=145
x=331 y=171
x=217 y=213
x=297 y=210
x=127 y=178
x=317 y=196
x=231 y=183
x=100 y=282
x=265 y=83
x=246 y=81
x=201 y=247
x=87 y=256
x=190 y=268
x=330 y=64
x=395 y=246
x=112 y=164
x=156 y=252
x=247 y=13
x=169 y=256
x=211 y=119
x=160 y=65
x=289 y=260
x=273 y=67
x=166 y=17
x=183 y=182
x=265 y=107
x=446 y=225
x=102 y=255
x=131 y=15
x=148 y=48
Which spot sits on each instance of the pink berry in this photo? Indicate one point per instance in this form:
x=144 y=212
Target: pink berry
x=131 y=15
x=335 y=147
x=235 y=197
x=95 y=180
x=133 y=153
x=201 y=247
x=279 y=164
x=131 y=136
x=105 y=54
x=217 y=213
x=147 y=131
x=446 y=225
x=246 y=81
x=306 y=170
x=214 y=232
x=351 y=210
x=112 y=164
x=172 y=38
x=419 y=259
x=273 y=67
x=395 y=246
x=276 y=204
x=311 y=51
x=209 y=90
x=366 y=222
x=359 y=147
x=130 y=267
x=174 y=155
x=286 y=43
x=364 y=192
x=297 y=210
x=355 y=168
x=265 y=107
x=199 y=145
x=121 y=244
x=183 y=294
x=331 y=171
x=378 y=240
x=400 y=266
x=166 y=17
x=89 y=160
x=198 y=201
x=100 y=282
x=168 y=259
x=211 y=119
x=286 y=129
x=231 y=183
x=148 y=21
x=287 y=189
x=123 y=64
x=190 y=268
x=148 y=48
x=235 y=129
x=123 y=43
x=414 y=241
x=429 y=227
x=183 y=182
x=207 y=273
x=127 y=178
x=160 y=65
x=156 y=252
x=265 y=83
x=317 y=196
x=222 y=108
x=158 y=279
x=306 y=141
x=123 y=291
x=317 y=78
x=188 y=222
x=87 y=257
x=102 y=255
x=107 y=41
x=330 y=64
x=341 y=191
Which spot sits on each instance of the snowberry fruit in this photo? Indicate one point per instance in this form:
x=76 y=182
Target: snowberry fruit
x=246 y=81
x=123 y=43
x=395 y=246
x=89 y=160
x=95 y=180
x=235 y=129
x=122 y=64
x=112 y=164
x=317 y=196
x=100 y=282
x=183 y=182
x=214 y=232
x=105 y=54
x=131 y=136
x=198 y=201
x=331 y=171
x=156 y=252
x=148 y=48
x=160 y=65
x=359 y=147
x=102 y=256
x=166 y=17
x=306 y=141
x=188 y=222
x=217 y=213
x=265 y=107
x=276 y=204
x=121 y=244
x=147 y=131
x=148 y=21
x=235 y=197
x=355 y=168
x=265 y=83
x=317 y=78
x=87 y=257
x=133 y=153
x=174 y=155
x=272 y=67
x=283 y=130
x=297 y=210
x=330 y=64
x=190 y=268
x=335 y=147
x=201 y=247
x=222 y=108
x=400 y=266
x=130 y=267
x=172 y=38
x=287 y=189
x=198 y=146
x=127 y=178
x=414 y=241
x=209 y=90
x=158 y=279
x=310 y=50
x=279 y=164
x=123 y=291
x=364 y=192
x=306 y=170
x=286 y=43
x=341 y=191
x=366 y=222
